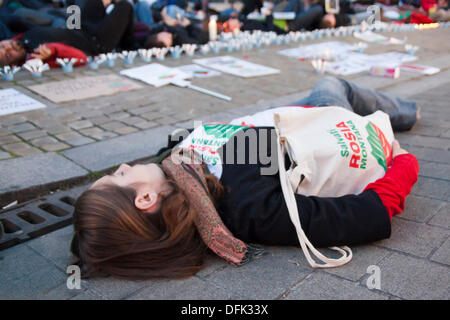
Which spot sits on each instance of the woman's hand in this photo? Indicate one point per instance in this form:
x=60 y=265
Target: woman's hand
x=42 y=52
x=397 y=150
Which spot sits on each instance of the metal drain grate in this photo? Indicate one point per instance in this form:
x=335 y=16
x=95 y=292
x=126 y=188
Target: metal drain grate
x=38 y=217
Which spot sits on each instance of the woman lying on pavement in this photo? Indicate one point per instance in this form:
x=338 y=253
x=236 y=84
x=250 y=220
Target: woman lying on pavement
x=153 y=220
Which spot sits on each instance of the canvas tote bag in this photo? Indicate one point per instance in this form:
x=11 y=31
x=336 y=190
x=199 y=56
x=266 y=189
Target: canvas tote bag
x=333 y=152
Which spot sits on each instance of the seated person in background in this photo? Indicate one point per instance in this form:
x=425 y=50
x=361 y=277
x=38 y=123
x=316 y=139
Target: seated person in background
x=436 y=10
x=180 y=28
x=306 y=17
x=31 y=14
x=100 y=33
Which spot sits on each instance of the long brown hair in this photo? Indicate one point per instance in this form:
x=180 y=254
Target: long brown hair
x=113 y=237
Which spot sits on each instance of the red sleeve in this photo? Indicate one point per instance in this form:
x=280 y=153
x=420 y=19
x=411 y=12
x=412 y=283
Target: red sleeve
x=60 y=50
x=397 y=183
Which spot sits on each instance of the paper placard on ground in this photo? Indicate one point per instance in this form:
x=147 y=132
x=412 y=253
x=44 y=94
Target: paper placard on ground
x=155 y=74
x=419 y=68
x=13 y=101
x=196 y=71
x=331 y=48
x=392 y=59
x=369 y=36
x=355 y=62
x=236 y=66
x=84 y=88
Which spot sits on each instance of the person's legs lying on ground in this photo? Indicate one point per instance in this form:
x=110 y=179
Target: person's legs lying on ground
x=331 y=91
x=250 y=6
x=59 y=16
x=5 y=32
x=33 y=4
x=92 y=11
x=116 y=28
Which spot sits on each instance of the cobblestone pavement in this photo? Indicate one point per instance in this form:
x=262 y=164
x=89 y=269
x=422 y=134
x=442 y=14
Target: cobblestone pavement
x=414 y=262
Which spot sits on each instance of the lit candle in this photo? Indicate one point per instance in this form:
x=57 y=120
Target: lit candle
x=212 y=26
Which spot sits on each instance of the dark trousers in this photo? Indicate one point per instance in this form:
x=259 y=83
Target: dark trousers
x=331 y=91
x=108 y=30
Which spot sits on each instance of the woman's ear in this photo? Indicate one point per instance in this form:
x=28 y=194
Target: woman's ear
x=147 y=202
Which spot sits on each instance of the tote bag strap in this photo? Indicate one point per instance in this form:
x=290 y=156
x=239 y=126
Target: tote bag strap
x=291 y=203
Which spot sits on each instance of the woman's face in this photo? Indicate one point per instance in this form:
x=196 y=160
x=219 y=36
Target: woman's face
x=11 y=52
x=148 y=176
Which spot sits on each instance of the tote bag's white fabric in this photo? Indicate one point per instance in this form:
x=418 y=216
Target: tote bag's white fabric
x=334 y=152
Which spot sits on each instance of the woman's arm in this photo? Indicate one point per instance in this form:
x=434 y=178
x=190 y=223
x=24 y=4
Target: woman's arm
x=398 y=181
x=49 y=52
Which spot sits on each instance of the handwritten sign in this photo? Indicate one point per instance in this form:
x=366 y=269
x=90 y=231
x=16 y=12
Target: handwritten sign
x=84 y=88
x=14 y=101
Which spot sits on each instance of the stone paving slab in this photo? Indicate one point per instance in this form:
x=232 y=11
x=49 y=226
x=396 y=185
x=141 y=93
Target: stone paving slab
x=322 y=286
x=408 y=277
x=442 y=255
x=442 y=218
x=193 y=288
x=414 y=238
x=421 y=209
x=29 y=278
x=258 y=279
x=106 y=154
